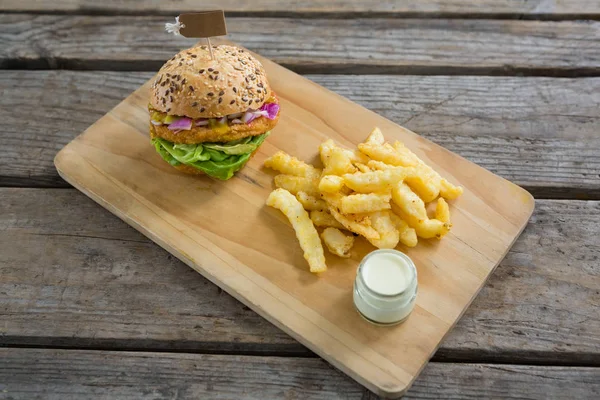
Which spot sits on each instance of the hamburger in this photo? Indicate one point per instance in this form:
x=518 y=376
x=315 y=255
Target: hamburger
x=209 y=116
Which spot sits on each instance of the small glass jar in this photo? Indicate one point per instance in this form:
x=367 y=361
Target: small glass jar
x=385 y=288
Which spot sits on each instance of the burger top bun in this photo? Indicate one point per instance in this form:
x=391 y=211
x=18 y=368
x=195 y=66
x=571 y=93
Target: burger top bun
x=193 y=85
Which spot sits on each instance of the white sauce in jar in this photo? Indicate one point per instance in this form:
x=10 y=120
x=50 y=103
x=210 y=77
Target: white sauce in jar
x=385 y=288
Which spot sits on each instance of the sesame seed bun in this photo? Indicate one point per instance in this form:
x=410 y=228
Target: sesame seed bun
x=192 y=85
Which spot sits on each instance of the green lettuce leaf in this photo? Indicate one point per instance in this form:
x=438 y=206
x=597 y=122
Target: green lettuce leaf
x=219 y=160
x=186 y=153
x=233 y=149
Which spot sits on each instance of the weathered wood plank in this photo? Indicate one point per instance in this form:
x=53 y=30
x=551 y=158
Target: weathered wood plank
x=538 y=132
x=488 y=8
x=71 y=374
x=73 y=275
x=541 y=133
x=365 y=46
x=60 y=374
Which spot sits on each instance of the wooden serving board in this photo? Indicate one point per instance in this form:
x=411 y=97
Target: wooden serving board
x=225 y=232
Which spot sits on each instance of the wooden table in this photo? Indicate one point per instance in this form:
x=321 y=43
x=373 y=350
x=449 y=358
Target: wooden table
x=90 y=308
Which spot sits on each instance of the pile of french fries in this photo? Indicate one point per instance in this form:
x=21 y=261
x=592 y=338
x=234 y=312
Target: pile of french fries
x=379 y=191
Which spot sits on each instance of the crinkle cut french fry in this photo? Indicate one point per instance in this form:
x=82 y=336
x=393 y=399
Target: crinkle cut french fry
x=383 y=224
x=411 y=208
x=442 y=211
x=376 y=181
x=387 y=154
x=337 y=162
x=333 y=199
x=408 y=236
x=303 y=226
x=311 y=203
x=337 y=242
x=331 y=184
x=379 y=165
x=409 y=204
x=449 y=191
x=325 y=219
x=364 y=203
x=355 y=156
x=375 y=137
x=289 y=165
x=325 y=150
x=362 y=167
x=295 y=184
x=446 y=189
x=425 y=229
x=419 y=179
x=432 y=228
x=427 y=189
x=406 y=153
x=356 y=224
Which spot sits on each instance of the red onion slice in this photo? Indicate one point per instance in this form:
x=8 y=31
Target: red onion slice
x=182 y=124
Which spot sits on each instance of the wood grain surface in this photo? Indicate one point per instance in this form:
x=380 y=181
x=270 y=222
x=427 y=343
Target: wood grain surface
x=62 y=374
x=515 y=127
x=113 y=163
x=359 y=46
x=71 y=274
x=462 y=8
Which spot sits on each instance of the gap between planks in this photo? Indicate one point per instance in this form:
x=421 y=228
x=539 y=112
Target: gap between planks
x=359 y=46
x=538 y=192
x=463 y=9
x=273 y=350
x=540 y=133
x=80 y=64
x=328 y=15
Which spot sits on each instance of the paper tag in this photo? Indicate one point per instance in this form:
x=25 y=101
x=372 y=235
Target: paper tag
x=203 y=24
